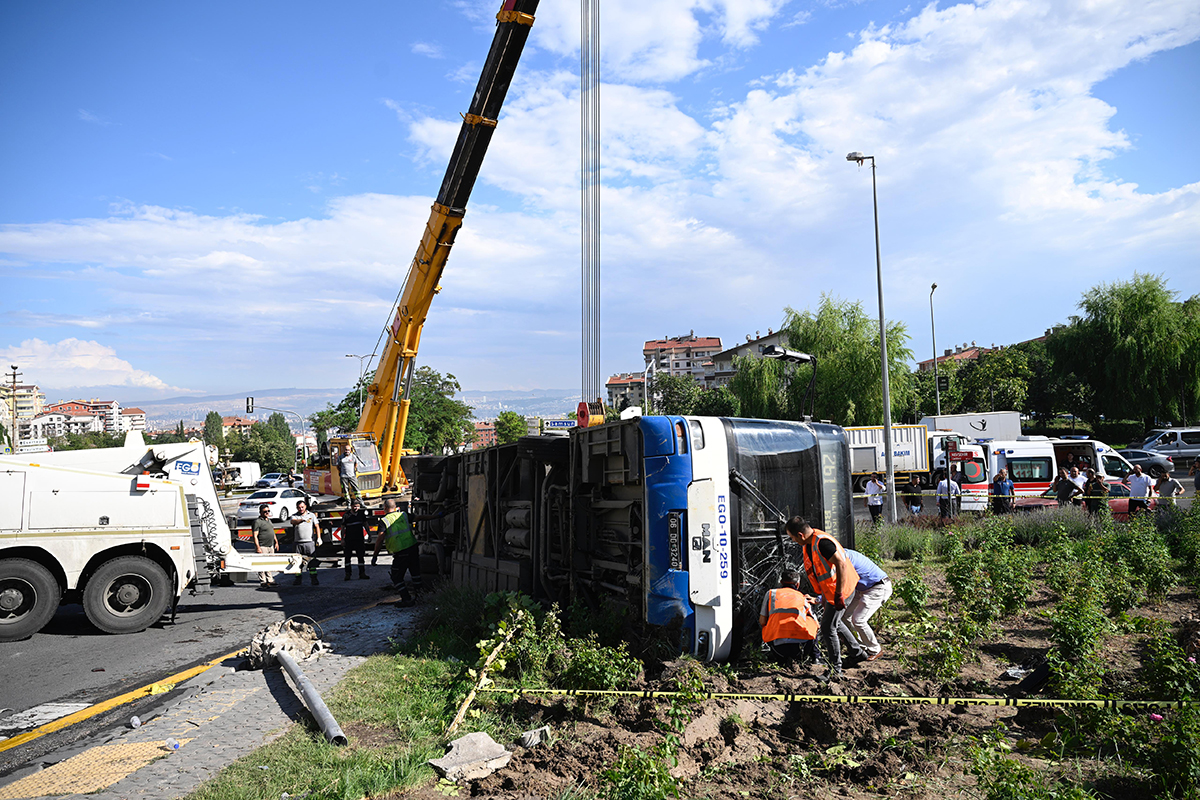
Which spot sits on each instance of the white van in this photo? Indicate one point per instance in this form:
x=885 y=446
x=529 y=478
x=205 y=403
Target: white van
x=1181 y=444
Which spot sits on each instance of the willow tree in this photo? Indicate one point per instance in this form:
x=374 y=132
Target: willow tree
x=1136 y=347
x=849 y=387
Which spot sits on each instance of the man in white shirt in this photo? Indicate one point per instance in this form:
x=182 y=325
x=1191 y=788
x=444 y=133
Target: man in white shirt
x=947 y=491
x=348 y=466
x=1140 y=487
x=875 y=490
x=305 y=529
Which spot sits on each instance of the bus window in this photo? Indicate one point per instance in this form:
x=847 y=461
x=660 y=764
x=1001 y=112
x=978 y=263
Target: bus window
x=681 y=435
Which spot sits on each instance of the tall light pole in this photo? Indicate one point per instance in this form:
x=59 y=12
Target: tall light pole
x=937 y=389
x=15 y=433
x=890 y=505
x=360 y=378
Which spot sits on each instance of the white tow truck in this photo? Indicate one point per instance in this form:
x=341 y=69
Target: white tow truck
x=122 y=530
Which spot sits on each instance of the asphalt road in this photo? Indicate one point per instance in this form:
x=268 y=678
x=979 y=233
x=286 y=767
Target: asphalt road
x=72 y=662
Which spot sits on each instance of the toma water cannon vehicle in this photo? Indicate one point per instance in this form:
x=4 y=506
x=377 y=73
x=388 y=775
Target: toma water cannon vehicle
x=379 y=438
x=676 y=520
x=122 y=530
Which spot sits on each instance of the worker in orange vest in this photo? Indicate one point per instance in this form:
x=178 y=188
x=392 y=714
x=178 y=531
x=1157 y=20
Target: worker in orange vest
x=789 y=627
x=834 y=578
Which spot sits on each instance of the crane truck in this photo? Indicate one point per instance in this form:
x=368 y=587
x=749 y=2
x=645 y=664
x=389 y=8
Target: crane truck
x=378 y=440
x=123 y=530
x=677 y=521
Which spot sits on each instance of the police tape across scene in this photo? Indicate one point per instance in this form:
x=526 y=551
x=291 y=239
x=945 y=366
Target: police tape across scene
x=853 y=699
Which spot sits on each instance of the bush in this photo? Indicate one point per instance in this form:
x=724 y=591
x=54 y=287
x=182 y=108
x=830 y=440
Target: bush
x=1169 y=673
x=591 y=665
x=1138 y=564
x=1176 y=758
x=641 y=775
x=1181 y=532
x=1078 y=626
x=1033 y=527
x=913 y=590
x=995 y=580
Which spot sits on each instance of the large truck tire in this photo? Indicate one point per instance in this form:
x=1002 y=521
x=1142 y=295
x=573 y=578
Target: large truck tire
x=127 y=595
x=29 y=596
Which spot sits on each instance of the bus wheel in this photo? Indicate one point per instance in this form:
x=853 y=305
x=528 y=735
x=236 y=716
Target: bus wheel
x=127 y=595
x=29 y=596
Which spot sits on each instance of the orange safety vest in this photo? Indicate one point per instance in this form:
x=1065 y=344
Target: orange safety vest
x=822 y=573
x=788 y=616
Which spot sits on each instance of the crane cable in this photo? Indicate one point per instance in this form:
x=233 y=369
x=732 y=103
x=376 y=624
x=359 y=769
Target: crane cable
x=589 y=187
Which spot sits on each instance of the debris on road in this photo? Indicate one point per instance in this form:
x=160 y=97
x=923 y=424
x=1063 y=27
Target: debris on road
x=471 y=757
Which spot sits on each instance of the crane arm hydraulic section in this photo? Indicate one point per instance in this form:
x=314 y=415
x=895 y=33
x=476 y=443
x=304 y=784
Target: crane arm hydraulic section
x=385 y=414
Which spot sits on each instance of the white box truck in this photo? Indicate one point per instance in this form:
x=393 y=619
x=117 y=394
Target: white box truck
x=122 y=530
x=984 y=425
x=929 y=455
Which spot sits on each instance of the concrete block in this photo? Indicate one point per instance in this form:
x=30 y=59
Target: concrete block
x=471 y=757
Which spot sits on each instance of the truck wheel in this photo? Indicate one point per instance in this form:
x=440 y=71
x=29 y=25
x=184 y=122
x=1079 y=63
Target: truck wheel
x=29 y=596
x=127 y=595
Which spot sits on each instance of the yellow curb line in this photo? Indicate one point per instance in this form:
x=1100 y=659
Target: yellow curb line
x=153 y=688
x=119 y=700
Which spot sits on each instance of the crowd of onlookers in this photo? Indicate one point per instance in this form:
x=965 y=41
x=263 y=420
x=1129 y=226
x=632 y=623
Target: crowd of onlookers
x=1077 y=484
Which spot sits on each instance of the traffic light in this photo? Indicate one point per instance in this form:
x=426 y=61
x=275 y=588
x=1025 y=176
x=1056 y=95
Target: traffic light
x=249 y=405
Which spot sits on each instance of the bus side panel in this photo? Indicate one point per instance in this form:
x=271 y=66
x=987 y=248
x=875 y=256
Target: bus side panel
x=667 y=479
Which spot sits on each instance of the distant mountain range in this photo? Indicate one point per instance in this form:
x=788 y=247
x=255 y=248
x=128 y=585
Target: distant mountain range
x=166 y=413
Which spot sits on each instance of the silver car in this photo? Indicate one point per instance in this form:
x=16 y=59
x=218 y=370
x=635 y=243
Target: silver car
x=282 y=501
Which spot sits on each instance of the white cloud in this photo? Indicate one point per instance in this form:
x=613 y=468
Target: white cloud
x=655 y=41
x=427 y=49
x=88 y=116
x=75 y=363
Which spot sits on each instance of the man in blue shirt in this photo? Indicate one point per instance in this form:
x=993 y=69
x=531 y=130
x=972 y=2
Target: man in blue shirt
x=873 y=590
x=1002 y=493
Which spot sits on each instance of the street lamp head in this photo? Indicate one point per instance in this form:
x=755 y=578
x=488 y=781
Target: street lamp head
x=933 y=288
x=793 y=356
x=858 y=157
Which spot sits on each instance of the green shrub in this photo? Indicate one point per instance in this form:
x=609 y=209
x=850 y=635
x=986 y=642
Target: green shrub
x=1003 y=778
x=1033 y=527
x=641 y=775
x=1137 y=564
x=1181 y=532
x=591 y=665
x=934 y=649
x=1078 y=627
x=994 y=581
x=913 y=590
x=1176 y=757
x=1169 y=673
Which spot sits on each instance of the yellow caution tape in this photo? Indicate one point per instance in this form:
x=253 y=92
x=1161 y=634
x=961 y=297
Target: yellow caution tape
x=856 y=699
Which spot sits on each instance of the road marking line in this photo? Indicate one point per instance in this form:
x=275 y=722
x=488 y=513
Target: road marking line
x=153 y=688
x=38 y=715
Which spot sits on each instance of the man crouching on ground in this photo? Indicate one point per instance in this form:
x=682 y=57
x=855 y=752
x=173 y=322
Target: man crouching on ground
x=789 y=627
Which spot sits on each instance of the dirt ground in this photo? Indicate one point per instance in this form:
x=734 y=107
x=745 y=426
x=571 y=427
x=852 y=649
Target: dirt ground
x=767 y=748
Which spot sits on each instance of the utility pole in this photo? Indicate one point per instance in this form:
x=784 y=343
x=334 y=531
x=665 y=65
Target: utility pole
x=14 y=434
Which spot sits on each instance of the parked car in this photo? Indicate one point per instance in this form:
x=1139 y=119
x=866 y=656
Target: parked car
x=1152 y=463
x=1118 y=502
x=281 y=499
x=268 y=480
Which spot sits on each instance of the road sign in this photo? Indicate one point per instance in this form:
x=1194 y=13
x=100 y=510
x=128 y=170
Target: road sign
x=558 y=424
x=960 y=455
x=943 y=383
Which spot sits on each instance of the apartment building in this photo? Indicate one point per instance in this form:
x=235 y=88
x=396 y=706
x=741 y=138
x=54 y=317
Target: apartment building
x=681 y=355
x=628 y=388
x=723 y=362
x=133 y=419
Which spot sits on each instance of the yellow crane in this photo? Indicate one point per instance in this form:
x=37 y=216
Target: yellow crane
x=378 y=441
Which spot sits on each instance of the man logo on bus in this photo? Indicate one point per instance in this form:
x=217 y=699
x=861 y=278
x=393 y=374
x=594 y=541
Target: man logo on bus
x=703 y=542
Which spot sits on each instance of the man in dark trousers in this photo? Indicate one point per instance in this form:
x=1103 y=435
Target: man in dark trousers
x=354 y=531
x=396 y=533
x=789 y=627
x=834 y=578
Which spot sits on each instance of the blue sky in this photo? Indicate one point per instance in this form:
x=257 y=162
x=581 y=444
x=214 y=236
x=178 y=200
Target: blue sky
x=226 y=196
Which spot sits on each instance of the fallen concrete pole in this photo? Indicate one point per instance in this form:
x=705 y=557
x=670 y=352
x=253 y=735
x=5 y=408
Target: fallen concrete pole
x=312 y=699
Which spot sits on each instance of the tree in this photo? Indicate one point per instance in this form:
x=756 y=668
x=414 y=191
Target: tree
x=719 y=402
x=436 y=421
x=849 y=388
x=997 y=381
x=510 y=426
x=674 y=394
x=261 y=444
x=84 y=441
x=1134 y=347
x=342 y=418
x=278 y=428
x=214 y=432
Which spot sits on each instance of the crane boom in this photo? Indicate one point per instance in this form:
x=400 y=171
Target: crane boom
x=385 y=415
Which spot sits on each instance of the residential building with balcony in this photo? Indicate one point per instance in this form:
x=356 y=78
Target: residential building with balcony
x=628 y=388
x=133 y=419
x=723 y=362
x=485 y=434
x=681 y=355
x=240 y=424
